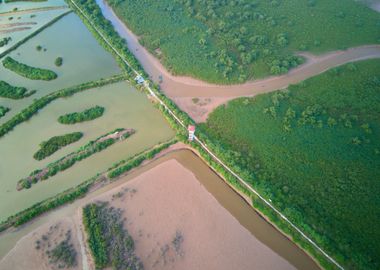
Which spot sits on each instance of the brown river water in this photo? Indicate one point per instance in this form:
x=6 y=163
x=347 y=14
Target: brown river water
x=229 y=199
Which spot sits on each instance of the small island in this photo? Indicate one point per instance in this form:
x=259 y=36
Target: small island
x=55 y=143
x=29 y=72
x=78 y=117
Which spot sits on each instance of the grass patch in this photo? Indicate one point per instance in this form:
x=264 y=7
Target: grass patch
x=55 y=143
x=109 y=242
x=233 y=41
x=313 y=150
x=29 y=72
x=78 y=117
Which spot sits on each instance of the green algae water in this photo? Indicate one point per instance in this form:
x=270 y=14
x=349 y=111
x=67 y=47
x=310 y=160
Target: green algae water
x=125 y=107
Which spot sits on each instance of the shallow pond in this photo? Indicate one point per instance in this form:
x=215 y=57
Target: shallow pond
x=83 y=60
x=125 y=108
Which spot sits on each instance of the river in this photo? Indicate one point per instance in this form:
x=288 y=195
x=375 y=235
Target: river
x=230 y=200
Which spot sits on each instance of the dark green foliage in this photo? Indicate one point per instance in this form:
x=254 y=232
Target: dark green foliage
x=28 y=71
x=5 y=41
x=40 y=103
x=10 y=1
x=86 y=115
x=58 y=61
x=109 y=242
x=233 y=41
x=314 y=151
x=55 y=143
x=13 y=92
x=68 y=161
x=3 y=110
x=64 y=254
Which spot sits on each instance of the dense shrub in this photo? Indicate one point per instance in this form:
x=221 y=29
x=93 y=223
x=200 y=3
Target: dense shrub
x=5 y=41
x=28 y=71
x=86 y=115
x=3 y=110
x=13 y=92
x=55 y=143
x=58 y=61
x=313 y=151
x=109 y=242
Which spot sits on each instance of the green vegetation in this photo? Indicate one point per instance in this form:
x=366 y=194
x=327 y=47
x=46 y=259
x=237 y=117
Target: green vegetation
x=40 y=103
x=14 y=92
x=3 y=110
x=28 y=71
x=64 y=254
x=10 y=1
x=78 y=117
x=109 y=242
x=69 y=160
x=5 y=41
x=58 y=61
x=39 y=48
x=313 y=150
x=55 y=143
x=233 y=41
x=74 y=193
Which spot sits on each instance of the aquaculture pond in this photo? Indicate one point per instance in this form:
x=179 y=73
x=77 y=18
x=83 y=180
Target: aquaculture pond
x=125 y=107
x=83 y=60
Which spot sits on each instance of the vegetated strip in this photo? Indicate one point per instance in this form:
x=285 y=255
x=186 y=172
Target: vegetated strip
x=110 y=244
x=30 y=10
x=40 y=103
x=179 y=120
x=22 y=41
x=29 y=72
x=68 y=161
x=14 y=92
x=55 y=143
x=78 y=117
x=79 y=191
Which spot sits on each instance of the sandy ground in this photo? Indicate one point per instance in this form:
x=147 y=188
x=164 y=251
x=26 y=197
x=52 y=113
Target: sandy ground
x=167 y=201
x=25 y=255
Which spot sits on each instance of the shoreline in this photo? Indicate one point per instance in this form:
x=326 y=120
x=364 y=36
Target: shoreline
x=160 y=158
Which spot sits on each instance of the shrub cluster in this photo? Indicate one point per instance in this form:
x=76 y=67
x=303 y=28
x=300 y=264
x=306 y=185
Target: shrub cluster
x=5 y=41
x=29 y=72
x=13 y=92
x=55 y=143
x=86 y=115
x=3 y=110
x=40 y=103
x=109 y=242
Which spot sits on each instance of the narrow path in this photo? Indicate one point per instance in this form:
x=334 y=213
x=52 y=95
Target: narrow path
x=205 y=148
x=27 y=11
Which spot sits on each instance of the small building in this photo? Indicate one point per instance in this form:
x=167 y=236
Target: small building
x=139 y=79
x=191 y=130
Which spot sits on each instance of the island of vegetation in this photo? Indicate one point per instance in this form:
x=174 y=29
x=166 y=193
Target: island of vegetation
x=14 y=92
x=29 y=72
x=110 y=243
x=5 y=41
x=55 y=143
x=58 y=61
x=234 y=41
x=40 y=103
x=313 y=150
x=84 y=152
x=78 y=117
x=3 y=110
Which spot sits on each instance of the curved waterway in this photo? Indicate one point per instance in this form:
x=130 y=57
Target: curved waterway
x=230 y=200
x=180 y=86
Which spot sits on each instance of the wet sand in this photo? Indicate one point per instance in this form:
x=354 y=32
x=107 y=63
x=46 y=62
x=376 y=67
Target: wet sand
x=182 y=195
x=168 y=200
x=25 y=256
